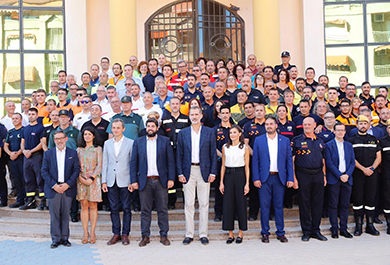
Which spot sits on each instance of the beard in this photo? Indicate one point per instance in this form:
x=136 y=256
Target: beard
x=151 y=133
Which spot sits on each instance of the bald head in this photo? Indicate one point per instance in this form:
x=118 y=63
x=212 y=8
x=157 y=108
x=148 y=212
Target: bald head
x=308 y=125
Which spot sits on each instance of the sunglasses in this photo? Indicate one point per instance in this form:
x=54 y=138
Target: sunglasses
x=84 y=101
x=127 y=84
x=79 y=95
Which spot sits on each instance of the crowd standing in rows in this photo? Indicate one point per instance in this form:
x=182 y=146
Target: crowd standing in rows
x=132 y=136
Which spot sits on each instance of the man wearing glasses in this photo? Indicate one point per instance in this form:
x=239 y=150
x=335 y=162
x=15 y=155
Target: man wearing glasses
x=80 y=93
x=85 y=115
x=63 y=104
x=54 y=87
x=346 y=117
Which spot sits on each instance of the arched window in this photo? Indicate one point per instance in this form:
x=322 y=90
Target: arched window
x=199 y=28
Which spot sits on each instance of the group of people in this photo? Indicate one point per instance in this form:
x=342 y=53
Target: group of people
x=259 y=134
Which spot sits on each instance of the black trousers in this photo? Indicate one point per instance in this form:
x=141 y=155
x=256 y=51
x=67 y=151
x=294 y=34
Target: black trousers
x=32 y=175
x=3 y=182
x=386 y=194
x=234 y=201
x=339 y=197
x=116 y=195
x=218 y=206
x=16 y=169
x=172 y=192
x=311 y=195
x=154 y=191
x=364 y=190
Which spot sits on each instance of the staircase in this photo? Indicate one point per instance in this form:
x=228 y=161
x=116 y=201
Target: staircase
x=34 y=223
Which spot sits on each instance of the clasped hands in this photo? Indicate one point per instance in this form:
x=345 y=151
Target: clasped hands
x=61 y=188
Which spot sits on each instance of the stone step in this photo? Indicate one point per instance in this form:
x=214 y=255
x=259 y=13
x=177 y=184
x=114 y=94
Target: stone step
x=136 y=225
x=76 y=234
x=174 y=215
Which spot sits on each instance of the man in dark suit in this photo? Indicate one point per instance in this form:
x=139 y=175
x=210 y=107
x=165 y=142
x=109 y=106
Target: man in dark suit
x=272 y=168
x=196 y=167
x=60 y=170
x=153 y=173
x=340 y=164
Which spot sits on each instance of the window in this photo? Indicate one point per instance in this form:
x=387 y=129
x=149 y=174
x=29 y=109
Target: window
x=357 y=40
x=179 y=31
x=32 y=47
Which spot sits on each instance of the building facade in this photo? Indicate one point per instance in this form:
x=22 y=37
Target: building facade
x=336 y=37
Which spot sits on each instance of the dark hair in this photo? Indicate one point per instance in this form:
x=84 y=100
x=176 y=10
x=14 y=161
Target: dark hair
x=229 y=141
x=248 y=102
x=345 y=100
x=58 y=132
x=104 y=58
x=323 y=76
x=206 y=74
x=310 y=68
x=287 y=75
x=20 y=115
x=383 y=87
x=192 y=75
x=86 y=73
x=332 y=88
x=153 y=59
x=194 y=99
x=338 y=123
x=220 y=60
x=178 y=87
x=215 y=114
x=152 y=120
x=351 y=84
x=167 y=65
x=235 y=69
x=304 y=101
x=97 y=105
x=380 y=96
x=269 y=67
x=366 y=83
x=63 y=89
x=81 y=141
x=299 y=79
x=52 y=100
x=33 y=110
x=201 y=59
x=226 y=106
x=343 y=77
x=62 y=71
x=82 y=89
x=272 y=117
x=120 y=66
x=281 y=106
x=41 y=90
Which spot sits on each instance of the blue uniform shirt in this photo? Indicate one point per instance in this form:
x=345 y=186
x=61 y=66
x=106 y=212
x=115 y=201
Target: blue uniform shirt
x=298 y=120
x=287 y=129
x=326 y=135
x=221 y=134
x=32 y=135
x=253 y=130
x=309 y=153
x=14 y=138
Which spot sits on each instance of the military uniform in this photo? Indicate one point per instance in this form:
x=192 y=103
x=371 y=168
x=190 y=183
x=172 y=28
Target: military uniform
x=309 y=155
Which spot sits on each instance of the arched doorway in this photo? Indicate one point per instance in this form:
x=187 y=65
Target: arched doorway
x=188 y=29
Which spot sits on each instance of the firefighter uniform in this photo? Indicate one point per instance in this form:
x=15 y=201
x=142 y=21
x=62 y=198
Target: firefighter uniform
x=251 y=131
x=364 y=187
x=32 y=166
x=222 y=135
x=385 y=147
x=3 y=162
x=14 y=137
x=349 y=122
x=171 y=127
x=309 y=156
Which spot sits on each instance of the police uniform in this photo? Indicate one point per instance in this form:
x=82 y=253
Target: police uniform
x=171 y=128
x=251 y=131
x=309 y=156
x=385 y=147
x=364 y=187
x=221 y=136
x=32 y=135
x=3 y=162
x=14 y=137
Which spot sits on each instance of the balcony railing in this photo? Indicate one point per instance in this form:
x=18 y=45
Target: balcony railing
x=381 y=36
x=382 y=70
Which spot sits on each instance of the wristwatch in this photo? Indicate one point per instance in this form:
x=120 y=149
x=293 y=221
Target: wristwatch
x=372 y=168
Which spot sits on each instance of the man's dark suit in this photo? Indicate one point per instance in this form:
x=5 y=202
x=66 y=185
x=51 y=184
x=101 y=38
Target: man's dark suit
x=153 y=188
x=59 y=204
x=339 y=192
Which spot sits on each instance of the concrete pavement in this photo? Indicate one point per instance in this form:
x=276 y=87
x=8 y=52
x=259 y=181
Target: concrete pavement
x=359 y=250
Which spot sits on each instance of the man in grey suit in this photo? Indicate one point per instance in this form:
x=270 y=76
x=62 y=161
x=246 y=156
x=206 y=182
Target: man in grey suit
x=116 y=180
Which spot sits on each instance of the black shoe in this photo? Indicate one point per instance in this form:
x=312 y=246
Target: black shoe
x=239 y=240
x=318 y=236
x=230 y=240
x=358 y=226
x=66 y=243
x=3 y=204
x=74 y=219
x=305 y=237
x=16 y=205
x=282 y=239
x=325 y=215
x=335 y=234
x=252 y=218
x=370 y=228
x=30 y=204
x=377 y=220
x=265 y=238
x=171 y=207
x=54 y=245
x=46 y=207
x=346 y=234
x=187 y=240
x=218 y=218
x=204 y=240
x=42 y=205
x=288 y=206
